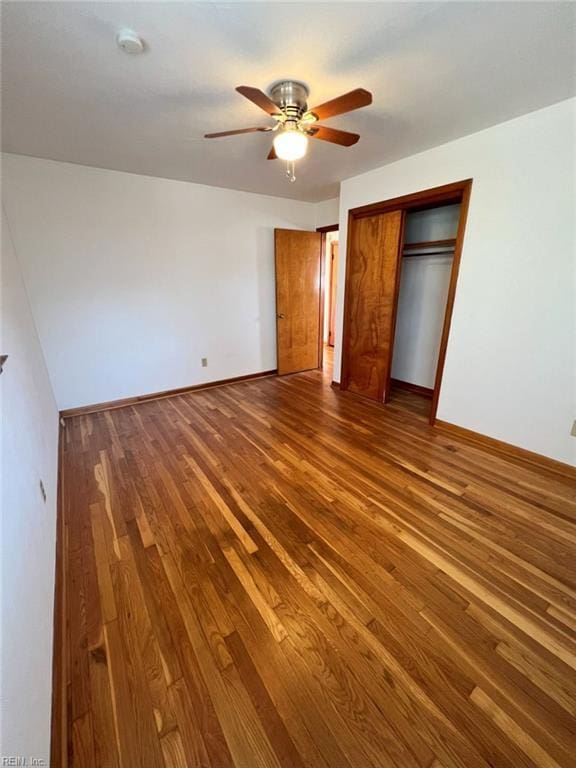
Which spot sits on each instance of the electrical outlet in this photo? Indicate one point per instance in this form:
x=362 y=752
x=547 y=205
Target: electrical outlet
x=204 y=362
x=42 y=490
x=573 y=430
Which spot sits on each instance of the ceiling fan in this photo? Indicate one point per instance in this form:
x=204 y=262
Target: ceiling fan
x=295 y=123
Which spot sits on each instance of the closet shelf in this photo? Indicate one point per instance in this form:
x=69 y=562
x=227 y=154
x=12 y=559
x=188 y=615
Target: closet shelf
x=429 y=248
x=445 y=252
x=429 y=244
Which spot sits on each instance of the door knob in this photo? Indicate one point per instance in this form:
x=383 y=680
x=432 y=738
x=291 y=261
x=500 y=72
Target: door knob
x=280 y=317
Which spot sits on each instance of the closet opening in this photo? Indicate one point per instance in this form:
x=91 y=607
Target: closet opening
x=402 y=263
x=426 y=260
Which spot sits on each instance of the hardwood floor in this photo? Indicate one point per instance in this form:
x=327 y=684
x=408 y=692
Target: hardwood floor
x=410 y=401
x=277 y=574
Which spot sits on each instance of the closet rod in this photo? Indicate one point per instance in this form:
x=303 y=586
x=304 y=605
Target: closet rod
x=434 y=253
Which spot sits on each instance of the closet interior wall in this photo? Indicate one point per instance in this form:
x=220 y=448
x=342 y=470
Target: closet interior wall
x=427 y=257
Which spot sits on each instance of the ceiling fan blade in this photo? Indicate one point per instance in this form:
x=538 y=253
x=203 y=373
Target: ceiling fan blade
x=272 y=154
x=260 y=99
x=344 y=138
x=235 y=133
x=345 y=103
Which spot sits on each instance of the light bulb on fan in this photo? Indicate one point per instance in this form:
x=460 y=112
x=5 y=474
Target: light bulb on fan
x=291 y=144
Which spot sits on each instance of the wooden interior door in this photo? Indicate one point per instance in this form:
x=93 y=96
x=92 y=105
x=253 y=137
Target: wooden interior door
x=298 y=257
x=372 y=275
x=332 y=300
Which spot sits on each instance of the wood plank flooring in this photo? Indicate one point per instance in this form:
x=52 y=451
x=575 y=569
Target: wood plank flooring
x=275 y=574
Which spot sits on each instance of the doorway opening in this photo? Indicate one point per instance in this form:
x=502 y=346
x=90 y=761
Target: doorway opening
x=330 y=254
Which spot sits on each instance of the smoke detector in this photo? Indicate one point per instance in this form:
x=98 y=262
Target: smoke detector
x=129 y=42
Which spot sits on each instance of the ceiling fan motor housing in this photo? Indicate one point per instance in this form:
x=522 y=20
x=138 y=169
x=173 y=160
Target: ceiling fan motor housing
x=291 y=96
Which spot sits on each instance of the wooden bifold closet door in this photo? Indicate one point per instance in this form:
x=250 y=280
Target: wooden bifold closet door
x=372 y=276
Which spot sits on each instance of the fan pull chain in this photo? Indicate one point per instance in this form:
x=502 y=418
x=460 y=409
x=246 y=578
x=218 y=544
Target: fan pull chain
x=290 y=170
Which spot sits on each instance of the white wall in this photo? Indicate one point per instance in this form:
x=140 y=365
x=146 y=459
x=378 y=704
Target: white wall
x=511 y=359
x=424 y=282
x=133 y=279
x=29 y=453
x=327 y=212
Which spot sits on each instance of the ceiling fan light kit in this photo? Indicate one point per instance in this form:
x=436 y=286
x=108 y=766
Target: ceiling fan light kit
x=295 y=123
x=290 y=144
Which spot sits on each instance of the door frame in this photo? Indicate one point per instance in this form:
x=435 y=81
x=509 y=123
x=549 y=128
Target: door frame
x=447 y=194
x=331 y=286
x=323 y=231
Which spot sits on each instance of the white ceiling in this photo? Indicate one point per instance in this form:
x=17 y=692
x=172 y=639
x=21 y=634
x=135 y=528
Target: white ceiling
x=437 y=71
